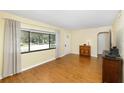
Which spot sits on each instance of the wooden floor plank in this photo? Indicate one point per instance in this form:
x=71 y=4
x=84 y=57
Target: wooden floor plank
x=68 y=69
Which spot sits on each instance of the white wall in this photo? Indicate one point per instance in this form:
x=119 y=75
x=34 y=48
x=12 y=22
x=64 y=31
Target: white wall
x=118 y=29
x=87 y=35
x=1 y=45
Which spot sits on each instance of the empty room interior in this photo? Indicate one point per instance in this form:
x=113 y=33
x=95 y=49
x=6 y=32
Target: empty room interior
x=61 y=46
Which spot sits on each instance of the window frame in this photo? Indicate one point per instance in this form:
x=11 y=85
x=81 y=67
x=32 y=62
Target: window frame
x=29 y=43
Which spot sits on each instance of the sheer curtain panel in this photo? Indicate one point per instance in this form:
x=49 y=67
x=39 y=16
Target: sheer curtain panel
x=12 y=55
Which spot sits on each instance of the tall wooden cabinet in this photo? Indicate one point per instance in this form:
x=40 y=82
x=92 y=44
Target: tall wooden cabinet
x=85 y=50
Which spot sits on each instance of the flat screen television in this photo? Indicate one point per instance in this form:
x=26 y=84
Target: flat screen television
x=114 y=51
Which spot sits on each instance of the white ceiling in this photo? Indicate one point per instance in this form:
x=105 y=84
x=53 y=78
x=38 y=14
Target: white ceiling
x=70 y=19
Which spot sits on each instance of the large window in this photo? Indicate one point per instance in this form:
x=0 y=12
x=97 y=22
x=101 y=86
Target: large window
x=34 y=41
x=52 y=41
x=24 y=41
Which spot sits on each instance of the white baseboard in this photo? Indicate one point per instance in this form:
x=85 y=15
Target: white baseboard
x=62 y=55
x=78 y=54
x=24 y=69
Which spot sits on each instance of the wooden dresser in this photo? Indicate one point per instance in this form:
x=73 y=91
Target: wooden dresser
x=85 y=50
x=111 y=70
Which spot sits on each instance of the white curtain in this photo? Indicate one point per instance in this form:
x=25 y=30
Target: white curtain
x=12 y=55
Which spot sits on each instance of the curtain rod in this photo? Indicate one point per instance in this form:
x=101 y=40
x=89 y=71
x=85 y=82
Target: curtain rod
x=33 y=24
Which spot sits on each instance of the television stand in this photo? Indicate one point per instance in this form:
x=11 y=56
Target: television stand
x=111 y=69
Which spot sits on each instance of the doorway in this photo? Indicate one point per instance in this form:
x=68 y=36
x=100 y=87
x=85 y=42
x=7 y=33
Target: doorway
x=67 y=44
x=103 y=42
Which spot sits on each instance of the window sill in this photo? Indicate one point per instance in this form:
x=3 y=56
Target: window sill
x=37 y=50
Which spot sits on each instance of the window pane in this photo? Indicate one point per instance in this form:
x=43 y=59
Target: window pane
x=52 y=41
x=24 y=41
x=39 y=41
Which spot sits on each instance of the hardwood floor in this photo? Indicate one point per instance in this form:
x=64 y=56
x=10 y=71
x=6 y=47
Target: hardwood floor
x=71 y=68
